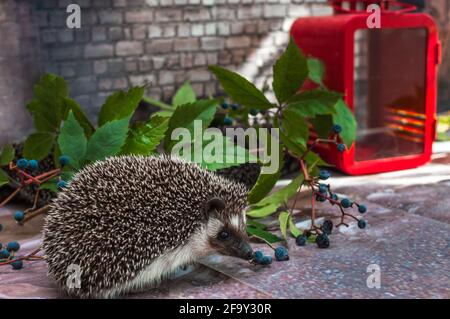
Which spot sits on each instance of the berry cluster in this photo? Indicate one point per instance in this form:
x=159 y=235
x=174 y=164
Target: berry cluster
x=7 y=255
x=228 y=120
x=321 y=192
x=280 y=253
x=25 y=170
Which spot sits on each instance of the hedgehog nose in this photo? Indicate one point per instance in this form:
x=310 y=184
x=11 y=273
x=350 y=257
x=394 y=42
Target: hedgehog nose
x=247 y=251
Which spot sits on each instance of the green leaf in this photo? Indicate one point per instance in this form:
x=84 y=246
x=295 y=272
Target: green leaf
x=7 y=155
x=161 y=105
x=240 y=89
x=3 y=178
x=283 y=218
x=295 y=127
x=345 y=118
x=282 y=195
x=316 y=70
x=255 y=224
x=264 y=235
x=38 y=145
x=322 y=125
x=47 y=106
x=107 y=140
x=120 y=105
x=263 y=186
x=314 y=102
x=72 y=141
x=143 y=138
x=289 y=72
x=184 y=95
x=185 y=115
x=225 y=155
x=80 y=116
x=50 y=185
x=263 y=211
x=294 y=229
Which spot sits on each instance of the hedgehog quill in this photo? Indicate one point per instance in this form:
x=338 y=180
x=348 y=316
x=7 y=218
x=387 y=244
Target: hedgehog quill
x=128 y=222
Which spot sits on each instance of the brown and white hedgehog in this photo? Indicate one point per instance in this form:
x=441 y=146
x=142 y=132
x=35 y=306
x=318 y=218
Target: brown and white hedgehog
x=130 y=221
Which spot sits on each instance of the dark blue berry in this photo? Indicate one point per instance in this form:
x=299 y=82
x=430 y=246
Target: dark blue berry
x=33 y=164
x=224 y=105
x=322 y=241
x=13 y=246
x=324 y=174
x=254 y=112
x=22 y=163
x=334 y=197
x=346 y=203
x=267 y=260
x=61 y=184
x=4 y=253
x=323 y=188
x=19 y=215
x=234 y=107
x=281 y=253
x=64 y=160
x=301 y=240
x=227 y=121
x=362 y=223
x=17 y=264
x=341 y=147
x=337 y=128
x=327 y=227
x=258 y=256
x=362 y=208
x=320 y=198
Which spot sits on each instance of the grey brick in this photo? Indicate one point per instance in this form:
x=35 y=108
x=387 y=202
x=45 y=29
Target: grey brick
x=131 y=65
x=110 y=17
x=126 y=48
x=99 y=34
x=274 y=10
x=141 y=16
x=100 y=66
x=139 y=32
x=66 y=53
x=189 y=44
x=65 y=35
x=115 y=33
x=196 y=15
x=212 y=43
x=48 y=36
x=154 y=31
x=82 y=35
x=136 y=80
x=168 y=15
x=158 y=62
x=98 y=50
x=248 y=12
x=159 y=46
x=145 y=64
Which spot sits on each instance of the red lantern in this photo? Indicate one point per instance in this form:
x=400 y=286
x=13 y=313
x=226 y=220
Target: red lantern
x=387 y=76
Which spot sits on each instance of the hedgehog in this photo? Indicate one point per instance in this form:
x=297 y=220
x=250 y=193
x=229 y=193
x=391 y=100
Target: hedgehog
x=129 y=222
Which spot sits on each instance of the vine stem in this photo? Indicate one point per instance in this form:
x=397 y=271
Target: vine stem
x=35 y=213
x=30 y=256
x=268 y=244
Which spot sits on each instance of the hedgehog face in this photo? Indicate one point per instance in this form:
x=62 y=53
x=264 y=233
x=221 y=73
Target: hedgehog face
x=226 y=232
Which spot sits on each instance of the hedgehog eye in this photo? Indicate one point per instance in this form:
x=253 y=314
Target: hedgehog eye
x=224 y=234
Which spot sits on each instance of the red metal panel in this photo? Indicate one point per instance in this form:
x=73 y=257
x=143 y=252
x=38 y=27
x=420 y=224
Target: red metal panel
x=331 y=39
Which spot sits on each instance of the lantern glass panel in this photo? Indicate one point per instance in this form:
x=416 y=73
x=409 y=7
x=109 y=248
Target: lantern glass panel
x=389 y=92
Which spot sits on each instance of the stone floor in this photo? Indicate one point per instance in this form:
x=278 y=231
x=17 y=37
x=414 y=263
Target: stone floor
x=408 y=237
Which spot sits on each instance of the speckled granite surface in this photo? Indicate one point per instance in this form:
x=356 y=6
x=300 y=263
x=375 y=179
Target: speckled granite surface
x=408 y=236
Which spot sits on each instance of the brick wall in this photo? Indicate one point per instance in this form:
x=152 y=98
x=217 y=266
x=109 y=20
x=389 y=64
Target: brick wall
x=163 y=42
x=130 y=42
x=18 y=68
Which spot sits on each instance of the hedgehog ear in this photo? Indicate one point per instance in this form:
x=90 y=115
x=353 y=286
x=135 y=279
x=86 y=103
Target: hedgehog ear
x=215 y=204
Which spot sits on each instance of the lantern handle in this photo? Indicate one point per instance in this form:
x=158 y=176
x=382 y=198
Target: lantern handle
x=384 y=5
